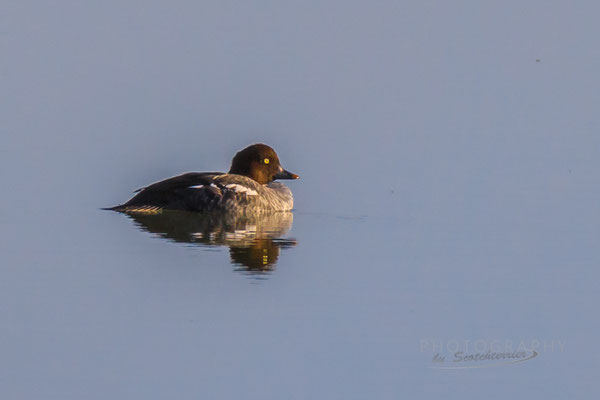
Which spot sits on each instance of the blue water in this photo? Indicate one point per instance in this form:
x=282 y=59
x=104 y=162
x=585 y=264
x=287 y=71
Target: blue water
x=448 y=200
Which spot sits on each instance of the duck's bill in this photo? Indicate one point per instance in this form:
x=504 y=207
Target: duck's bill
x=283 y=174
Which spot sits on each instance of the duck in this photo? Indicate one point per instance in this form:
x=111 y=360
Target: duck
x=249 y=187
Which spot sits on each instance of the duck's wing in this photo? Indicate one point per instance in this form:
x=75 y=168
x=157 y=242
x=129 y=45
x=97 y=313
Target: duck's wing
x=182 y=182
x=173 y=193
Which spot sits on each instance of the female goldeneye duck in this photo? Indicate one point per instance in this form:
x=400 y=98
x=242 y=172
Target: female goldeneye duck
x=248 y=187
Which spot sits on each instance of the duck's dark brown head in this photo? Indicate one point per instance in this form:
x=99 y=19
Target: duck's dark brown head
x=259 y=162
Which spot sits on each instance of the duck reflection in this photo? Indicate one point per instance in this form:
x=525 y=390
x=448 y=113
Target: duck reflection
x=254 y=241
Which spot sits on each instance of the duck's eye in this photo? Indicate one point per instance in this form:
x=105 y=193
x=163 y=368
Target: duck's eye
x=266 y=160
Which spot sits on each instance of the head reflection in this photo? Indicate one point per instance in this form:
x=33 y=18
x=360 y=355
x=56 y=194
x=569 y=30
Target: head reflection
x=254 y=241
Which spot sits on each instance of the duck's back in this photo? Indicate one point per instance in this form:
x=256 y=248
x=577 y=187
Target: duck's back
x=210 y=191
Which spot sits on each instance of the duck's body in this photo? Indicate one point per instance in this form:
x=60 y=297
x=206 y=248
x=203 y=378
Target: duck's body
x=208 y=192
x=247 y=188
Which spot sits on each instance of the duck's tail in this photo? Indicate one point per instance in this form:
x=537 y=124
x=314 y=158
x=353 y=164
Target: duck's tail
x=140 y=209
x=115 y=208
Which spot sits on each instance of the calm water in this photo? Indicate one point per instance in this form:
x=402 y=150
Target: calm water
x=448 y=200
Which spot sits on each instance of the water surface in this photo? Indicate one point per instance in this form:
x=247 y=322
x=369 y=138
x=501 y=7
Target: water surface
x=448 y=199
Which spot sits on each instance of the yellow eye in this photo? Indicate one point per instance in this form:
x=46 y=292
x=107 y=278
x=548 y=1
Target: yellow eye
x=266 y=160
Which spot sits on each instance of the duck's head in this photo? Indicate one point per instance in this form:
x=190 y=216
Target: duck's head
x=259 y=162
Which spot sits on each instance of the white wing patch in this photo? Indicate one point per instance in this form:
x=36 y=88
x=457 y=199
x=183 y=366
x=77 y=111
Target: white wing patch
x=232 y=186
x=242 y=189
